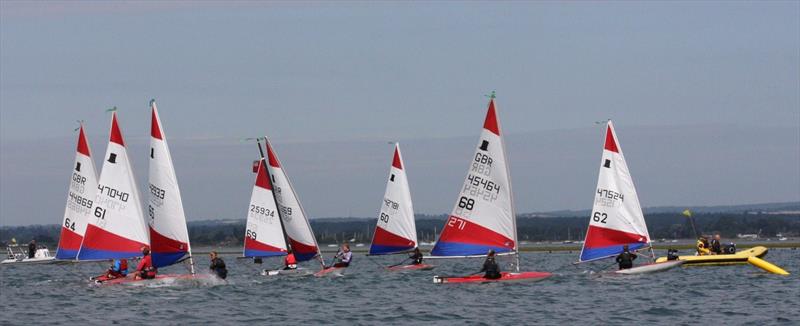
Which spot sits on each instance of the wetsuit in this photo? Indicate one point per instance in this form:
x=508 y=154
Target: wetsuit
x=492 y=271
x=145 y=269
x=716 y=247
x=218 y=267
x=345 y=259
x=31 y=250
x=416 y=258
x=625 y=259
x=290 y=261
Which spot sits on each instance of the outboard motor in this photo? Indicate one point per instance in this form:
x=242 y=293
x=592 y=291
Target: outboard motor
x=672 y=254
x=729 y=249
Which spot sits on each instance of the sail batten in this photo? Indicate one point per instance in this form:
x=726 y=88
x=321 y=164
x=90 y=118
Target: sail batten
x=395 y=231
x=483 y=216
x=616 y=219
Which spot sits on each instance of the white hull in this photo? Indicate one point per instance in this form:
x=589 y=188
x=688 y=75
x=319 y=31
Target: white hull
x=650 y=268
x=287 y=272
x=28 y=260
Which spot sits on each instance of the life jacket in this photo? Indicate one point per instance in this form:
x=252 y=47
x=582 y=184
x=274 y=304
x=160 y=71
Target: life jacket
x=291 y=260
x=123 y=266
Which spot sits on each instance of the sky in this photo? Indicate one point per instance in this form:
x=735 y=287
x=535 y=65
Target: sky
x=705 y=97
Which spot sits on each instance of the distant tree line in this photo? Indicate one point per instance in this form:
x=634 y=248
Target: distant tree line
x=360 y=230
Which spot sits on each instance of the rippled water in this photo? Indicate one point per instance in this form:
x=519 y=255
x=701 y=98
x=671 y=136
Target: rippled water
x=38 y=294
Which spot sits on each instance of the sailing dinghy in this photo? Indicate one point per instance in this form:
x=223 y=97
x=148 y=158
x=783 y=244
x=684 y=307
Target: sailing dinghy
x=118 y=229
x=299 y=235
x=483 y=218
x=395 y=231
x=617 y=219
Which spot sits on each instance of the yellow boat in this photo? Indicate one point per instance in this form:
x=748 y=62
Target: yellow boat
x=712 y=260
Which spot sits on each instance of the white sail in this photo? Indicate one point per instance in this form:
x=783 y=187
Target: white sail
x=395 y=230
x=169 y=238
x=616 y=217
x=80 y=201
x=118 y=229
x=483 y=216
x=264 y=234
x=295 y=221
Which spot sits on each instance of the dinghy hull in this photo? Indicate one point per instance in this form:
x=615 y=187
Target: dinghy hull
x=163 y=277
x=286 y=272
x=506 y=276
x=330 y=271
x=419 y=267
x=650 y=268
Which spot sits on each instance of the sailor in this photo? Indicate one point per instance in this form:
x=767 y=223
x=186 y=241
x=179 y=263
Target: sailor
x=344 y=256
x=490 y=267
x=119 y=269
x=416 y=257
x=32 y=248
x=716 y=246
x=290 y=261
x=625 y=258
x=218 y=265
x=702 y=246
x=145 y=269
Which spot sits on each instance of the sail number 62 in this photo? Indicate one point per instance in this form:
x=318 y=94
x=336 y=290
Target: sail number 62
x=599 y=217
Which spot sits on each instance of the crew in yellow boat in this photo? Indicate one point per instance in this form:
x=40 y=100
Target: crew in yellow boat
x=702 y=246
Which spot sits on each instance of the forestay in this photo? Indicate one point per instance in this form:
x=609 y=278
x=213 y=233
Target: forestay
x=80 y=201
x=616 y=217
x=169 y=237
x=295 y=222
x=395 y=231
x=483 y=216
x=118 y=229
x=263 y=235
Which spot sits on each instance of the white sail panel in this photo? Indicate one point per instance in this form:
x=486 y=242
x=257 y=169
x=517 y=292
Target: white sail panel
x=118 y=229
x=395 y=230
x=264 y=234
x=80 y=201
x=295 y=222
x=616 y=217
x=483 y=216
x=169 y=238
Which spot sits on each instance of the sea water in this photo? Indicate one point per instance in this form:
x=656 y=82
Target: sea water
x=368 y=295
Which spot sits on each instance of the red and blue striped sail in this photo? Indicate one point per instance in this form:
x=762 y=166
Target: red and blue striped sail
x=118 y=229
x=169 y=237
x=263 y=233
x=483 y=216
x=616 y=219
x=395 y=230
x=80 y=201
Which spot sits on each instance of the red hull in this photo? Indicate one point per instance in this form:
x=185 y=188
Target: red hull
x=328 y=270
x=125 y=280
x=506 y=276
x=420 y=267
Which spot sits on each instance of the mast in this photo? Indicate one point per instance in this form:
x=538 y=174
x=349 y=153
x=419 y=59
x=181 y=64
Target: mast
x=510 y=190
x=280 y=215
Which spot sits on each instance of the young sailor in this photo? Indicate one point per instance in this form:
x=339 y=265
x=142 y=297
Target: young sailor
x=119 y=269
x=218 y=265
x=625 y=258
x=145 y=269
x=290 y=262
x=702 y=246
x=416 y=257
x=490 y=267
x=344 y=256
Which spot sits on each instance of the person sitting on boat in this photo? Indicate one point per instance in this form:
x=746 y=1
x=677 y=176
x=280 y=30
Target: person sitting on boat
x=118 y=269
x=702 y=246
x=218 y=265
x=625 y=258
x=145 y=269
x=290 y=261
x=716 y=246
x=490 y=268
x=416 y=257
x=344 y=256
x=32 y=248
